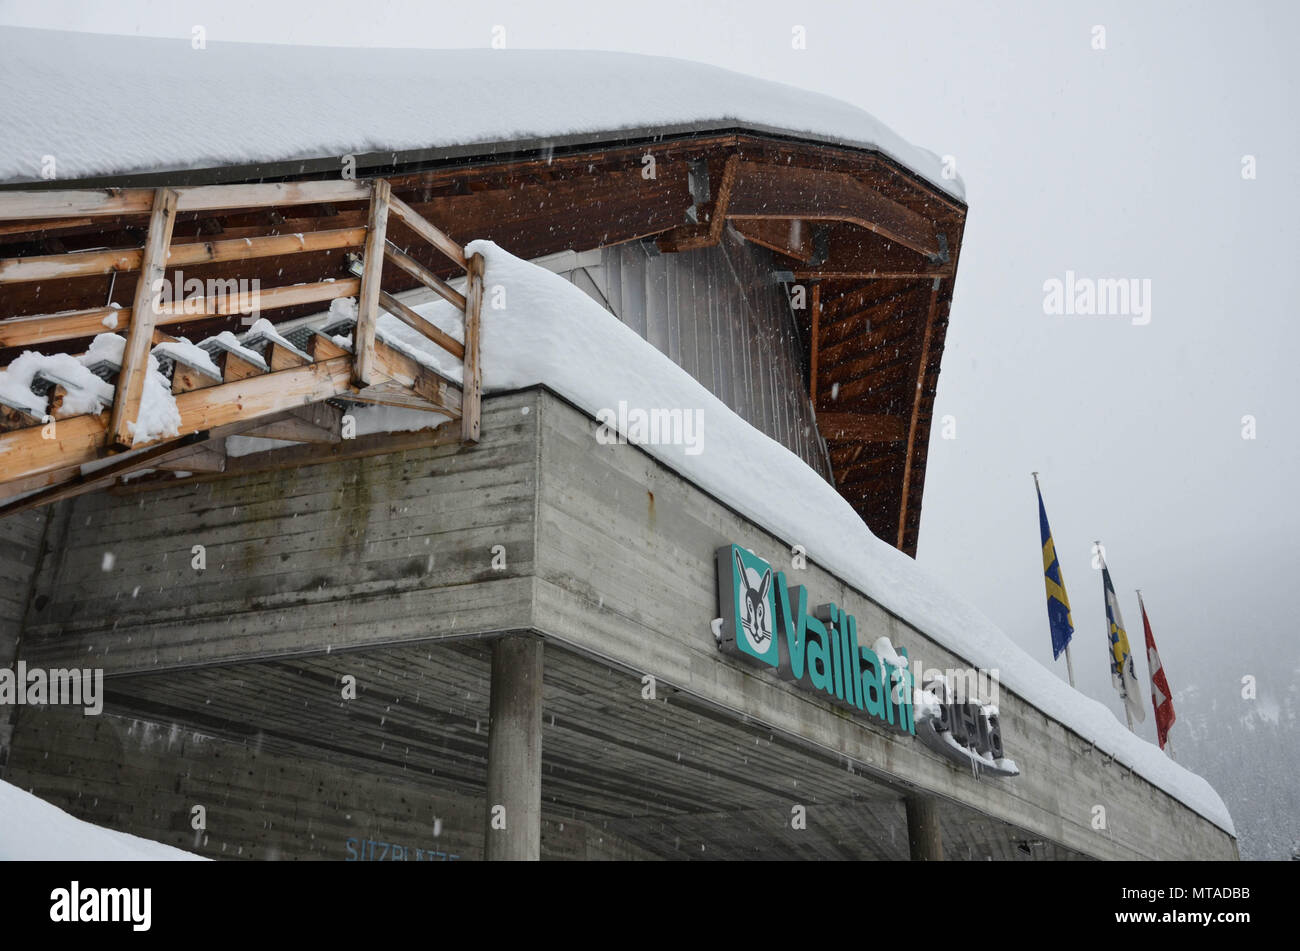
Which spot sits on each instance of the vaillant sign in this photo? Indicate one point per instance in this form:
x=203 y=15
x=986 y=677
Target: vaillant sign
x=766 y=621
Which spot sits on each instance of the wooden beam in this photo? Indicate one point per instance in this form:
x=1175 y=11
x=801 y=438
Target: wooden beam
x=815 y=341
x=296 y=457
x=88 y=482
x=88 y=263
x=912 y=274
x=413 y=320
x=16 y=205
x=363 y=339
x=768 y=191
x=922 y=369
x=690 y=237
x=139 y=338
x=417 y=223
x=318 y=423
x=424 y=276
x=425 y=383
x=789 y=236
x=72 y=324
x=81 y=439
x=472 y=387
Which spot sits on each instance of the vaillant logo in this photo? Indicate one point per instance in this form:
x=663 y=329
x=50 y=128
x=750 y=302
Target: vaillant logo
x=769 y=622
x=755 y=608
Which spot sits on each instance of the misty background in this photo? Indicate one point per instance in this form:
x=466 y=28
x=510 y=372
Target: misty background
x=1123 y=162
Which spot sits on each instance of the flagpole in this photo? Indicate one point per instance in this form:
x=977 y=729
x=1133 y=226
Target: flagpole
x=1069 y=661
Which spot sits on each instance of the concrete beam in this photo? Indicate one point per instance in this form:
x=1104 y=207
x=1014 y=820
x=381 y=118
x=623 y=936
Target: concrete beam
x=513 y=819
x=924 y=835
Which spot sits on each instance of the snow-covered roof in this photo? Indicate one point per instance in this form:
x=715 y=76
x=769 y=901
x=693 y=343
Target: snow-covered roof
x=118 y=105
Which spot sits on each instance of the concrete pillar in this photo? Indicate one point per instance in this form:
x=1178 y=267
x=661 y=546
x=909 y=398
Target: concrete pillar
x=924 y=836
x=514 y=767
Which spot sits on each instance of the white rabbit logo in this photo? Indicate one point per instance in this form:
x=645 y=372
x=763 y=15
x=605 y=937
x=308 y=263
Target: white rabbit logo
x=754 y=615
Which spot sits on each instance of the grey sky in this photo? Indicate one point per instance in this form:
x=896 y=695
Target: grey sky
x=1122 y=163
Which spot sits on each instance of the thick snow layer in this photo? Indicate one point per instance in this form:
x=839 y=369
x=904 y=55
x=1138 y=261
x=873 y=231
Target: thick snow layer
x=33 y=830
x=243 y=103
x=86 y=393
x=553 y=333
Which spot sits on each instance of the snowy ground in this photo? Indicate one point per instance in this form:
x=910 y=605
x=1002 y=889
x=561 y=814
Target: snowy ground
x=33 y=830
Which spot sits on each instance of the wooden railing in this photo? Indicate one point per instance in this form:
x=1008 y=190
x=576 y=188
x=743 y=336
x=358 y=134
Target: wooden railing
x=372 y=372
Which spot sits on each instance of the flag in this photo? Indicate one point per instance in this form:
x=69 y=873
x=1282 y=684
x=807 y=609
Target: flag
x=1161 y=699
x=1058 y=602
x=1123 y=672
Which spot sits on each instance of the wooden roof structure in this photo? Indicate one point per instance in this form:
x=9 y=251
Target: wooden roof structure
x=873 y=245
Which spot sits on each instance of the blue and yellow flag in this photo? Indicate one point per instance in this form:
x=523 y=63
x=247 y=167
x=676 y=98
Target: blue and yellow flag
x=1058 y=602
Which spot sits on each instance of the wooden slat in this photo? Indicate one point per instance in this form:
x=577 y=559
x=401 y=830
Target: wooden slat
x=425 y=276
x=139 y=338
x=72 y=324
x=421 y=226
x=319 y=423
x=17 y=205
x=88 y=263
x=423 y=382
x=413 y=320
x=472 y=387
x=368 y=302
x=862 y=427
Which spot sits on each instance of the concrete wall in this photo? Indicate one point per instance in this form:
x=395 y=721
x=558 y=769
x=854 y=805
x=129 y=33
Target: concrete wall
x=607 y=552
x=625 y=572
x=21 y=537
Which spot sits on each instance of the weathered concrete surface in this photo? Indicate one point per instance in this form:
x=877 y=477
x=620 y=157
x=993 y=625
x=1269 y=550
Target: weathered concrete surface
x=513 y=824
x=625 y=572
x=924 y=834
x=21 y=537
x=146 y=778
x=607 y=553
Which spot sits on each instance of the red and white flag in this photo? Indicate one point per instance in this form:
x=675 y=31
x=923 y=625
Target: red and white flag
x=1161 y=698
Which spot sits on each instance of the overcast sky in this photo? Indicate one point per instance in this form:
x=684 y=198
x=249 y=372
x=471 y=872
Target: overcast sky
x=1117 y=163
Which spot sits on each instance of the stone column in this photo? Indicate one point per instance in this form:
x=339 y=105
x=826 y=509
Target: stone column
x=513 y=821
x=924 y=836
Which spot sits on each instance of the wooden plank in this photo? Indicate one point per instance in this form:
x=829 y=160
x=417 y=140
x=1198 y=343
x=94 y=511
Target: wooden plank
x=318 y=423
x=923 y=364
x=17 y=205
x=80 y=439
x=416 y=322
x=691 y=237
x=791 y=237
x=372 y=273
x=423 y=382
x=421 y=226
x=139 y=338
x=863 y=427
x=425 y=276
x=472 y=386
x=73 y=324
x=88 y=263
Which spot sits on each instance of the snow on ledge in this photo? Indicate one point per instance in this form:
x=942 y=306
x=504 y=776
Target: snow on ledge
x=552 y=333
x=32 y=830
x=251 y=103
